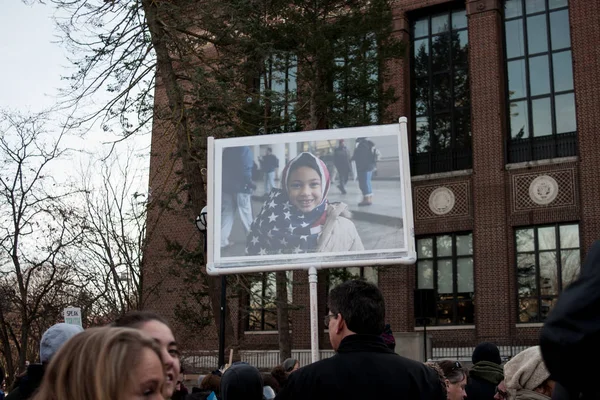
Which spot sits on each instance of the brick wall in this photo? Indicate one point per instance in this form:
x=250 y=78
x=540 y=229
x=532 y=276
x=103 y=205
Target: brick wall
x=493 y=213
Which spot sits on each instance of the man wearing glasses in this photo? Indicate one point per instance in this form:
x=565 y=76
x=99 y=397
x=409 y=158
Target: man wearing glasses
x=364 y=367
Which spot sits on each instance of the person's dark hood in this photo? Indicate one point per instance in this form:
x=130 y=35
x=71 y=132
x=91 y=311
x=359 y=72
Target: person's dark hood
x=571 y=334
x=241 y=381
x=32 y=380
x=486 y=351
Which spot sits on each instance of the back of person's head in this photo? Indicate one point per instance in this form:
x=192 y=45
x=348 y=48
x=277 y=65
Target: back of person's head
x=280 y=375
x=211 y=382
x=54 y=338
x=135 y=319
x=289 y=364
x=440 y=374
x=241 y=381
x=98 y=364
x=486 y=351
x=269 y=380
x=526 y=371
x=453 y=370
x=361 y=305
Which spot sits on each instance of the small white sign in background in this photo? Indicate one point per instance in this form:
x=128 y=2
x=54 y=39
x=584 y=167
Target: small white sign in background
x=72 y=316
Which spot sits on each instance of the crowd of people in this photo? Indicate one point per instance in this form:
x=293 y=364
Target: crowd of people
x=137 y=357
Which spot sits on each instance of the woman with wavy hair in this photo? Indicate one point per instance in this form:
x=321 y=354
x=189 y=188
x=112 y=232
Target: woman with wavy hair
x=105 y=363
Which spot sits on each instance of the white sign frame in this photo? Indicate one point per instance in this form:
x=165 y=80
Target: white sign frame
x=217 y=265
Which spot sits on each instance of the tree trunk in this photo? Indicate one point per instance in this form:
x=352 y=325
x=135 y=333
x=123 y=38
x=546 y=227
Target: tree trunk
x=283 y=320
x=24 y=343
x=6 y=349
x=192 y=170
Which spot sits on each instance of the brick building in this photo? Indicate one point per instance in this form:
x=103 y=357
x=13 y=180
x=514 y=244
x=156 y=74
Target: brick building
x=501 y=95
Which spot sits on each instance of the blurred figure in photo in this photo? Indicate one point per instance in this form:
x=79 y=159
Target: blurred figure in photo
x=269 y=164
x=237 y=190
x=298 y=218
x=341 y=160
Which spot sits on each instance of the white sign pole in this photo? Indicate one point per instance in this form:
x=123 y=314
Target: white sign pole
x=314 y=317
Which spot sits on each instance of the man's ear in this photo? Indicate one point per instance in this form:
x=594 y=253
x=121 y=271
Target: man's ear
x=341 y=323
x=447 y=383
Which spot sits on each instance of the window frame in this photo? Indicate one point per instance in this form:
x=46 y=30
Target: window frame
x=263 y=309
x=533 y=147
x=455 y=157
x=454 y=257
x=536 y=253
x=287 y=99
x=345 y=67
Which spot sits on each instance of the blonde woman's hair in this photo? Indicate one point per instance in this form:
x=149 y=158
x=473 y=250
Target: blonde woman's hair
x=95 y=365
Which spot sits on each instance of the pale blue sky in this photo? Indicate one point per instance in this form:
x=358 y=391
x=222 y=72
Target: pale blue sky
x=31 y=63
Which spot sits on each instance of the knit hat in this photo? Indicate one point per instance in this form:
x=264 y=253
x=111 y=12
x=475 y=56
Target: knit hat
x=486 y=351
x=55 y=337
x=241 y=381
x=288 y=364
x=526 y=371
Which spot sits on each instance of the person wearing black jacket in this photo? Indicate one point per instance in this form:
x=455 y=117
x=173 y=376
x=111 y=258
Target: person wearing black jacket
x=571 y=334
x=364 y=367
x=486 y=373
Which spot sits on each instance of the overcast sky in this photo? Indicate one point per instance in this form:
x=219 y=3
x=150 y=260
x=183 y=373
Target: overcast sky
x=32 y=63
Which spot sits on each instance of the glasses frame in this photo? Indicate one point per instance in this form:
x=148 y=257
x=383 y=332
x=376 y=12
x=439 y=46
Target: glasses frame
x=328 y=318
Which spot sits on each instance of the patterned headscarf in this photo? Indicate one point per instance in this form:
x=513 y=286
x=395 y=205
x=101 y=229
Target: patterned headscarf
x=280 y=227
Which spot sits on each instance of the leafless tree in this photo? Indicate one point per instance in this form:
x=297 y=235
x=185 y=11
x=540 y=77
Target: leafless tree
x=37 y=228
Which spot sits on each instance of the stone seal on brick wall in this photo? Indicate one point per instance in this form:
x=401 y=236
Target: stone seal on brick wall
x=543 y=190
x=441 y=200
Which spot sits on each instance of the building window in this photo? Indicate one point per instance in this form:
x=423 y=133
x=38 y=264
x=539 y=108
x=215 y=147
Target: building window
x=548 y=260
x=441 y=97
x=445 y=264
x=541 y=98
x=356 y=84
x=279 y=93
x=262 y=311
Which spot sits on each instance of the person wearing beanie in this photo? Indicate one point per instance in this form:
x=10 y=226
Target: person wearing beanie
x=290 y=365
x=241 y=381
x=52 y=340
x=526 y=376
x=486 y=373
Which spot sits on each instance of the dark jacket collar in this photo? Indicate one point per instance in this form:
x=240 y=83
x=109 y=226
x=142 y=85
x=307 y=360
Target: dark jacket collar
x=360 y=342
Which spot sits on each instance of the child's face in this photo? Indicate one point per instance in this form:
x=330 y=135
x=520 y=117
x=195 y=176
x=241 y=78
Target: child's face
x=304 y=189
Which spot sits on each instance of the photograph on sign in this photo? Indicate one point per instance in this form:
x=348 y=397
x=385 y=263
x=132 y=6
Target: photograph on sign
x=329 y=196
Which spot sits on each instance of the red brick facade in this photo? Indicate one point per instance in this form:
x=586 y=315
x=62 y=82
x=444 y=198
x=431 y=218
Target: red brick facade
x=491 y=194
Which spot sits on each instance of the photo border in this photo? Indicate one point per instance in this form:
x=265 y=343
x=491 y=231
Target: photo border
x=252 y=264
